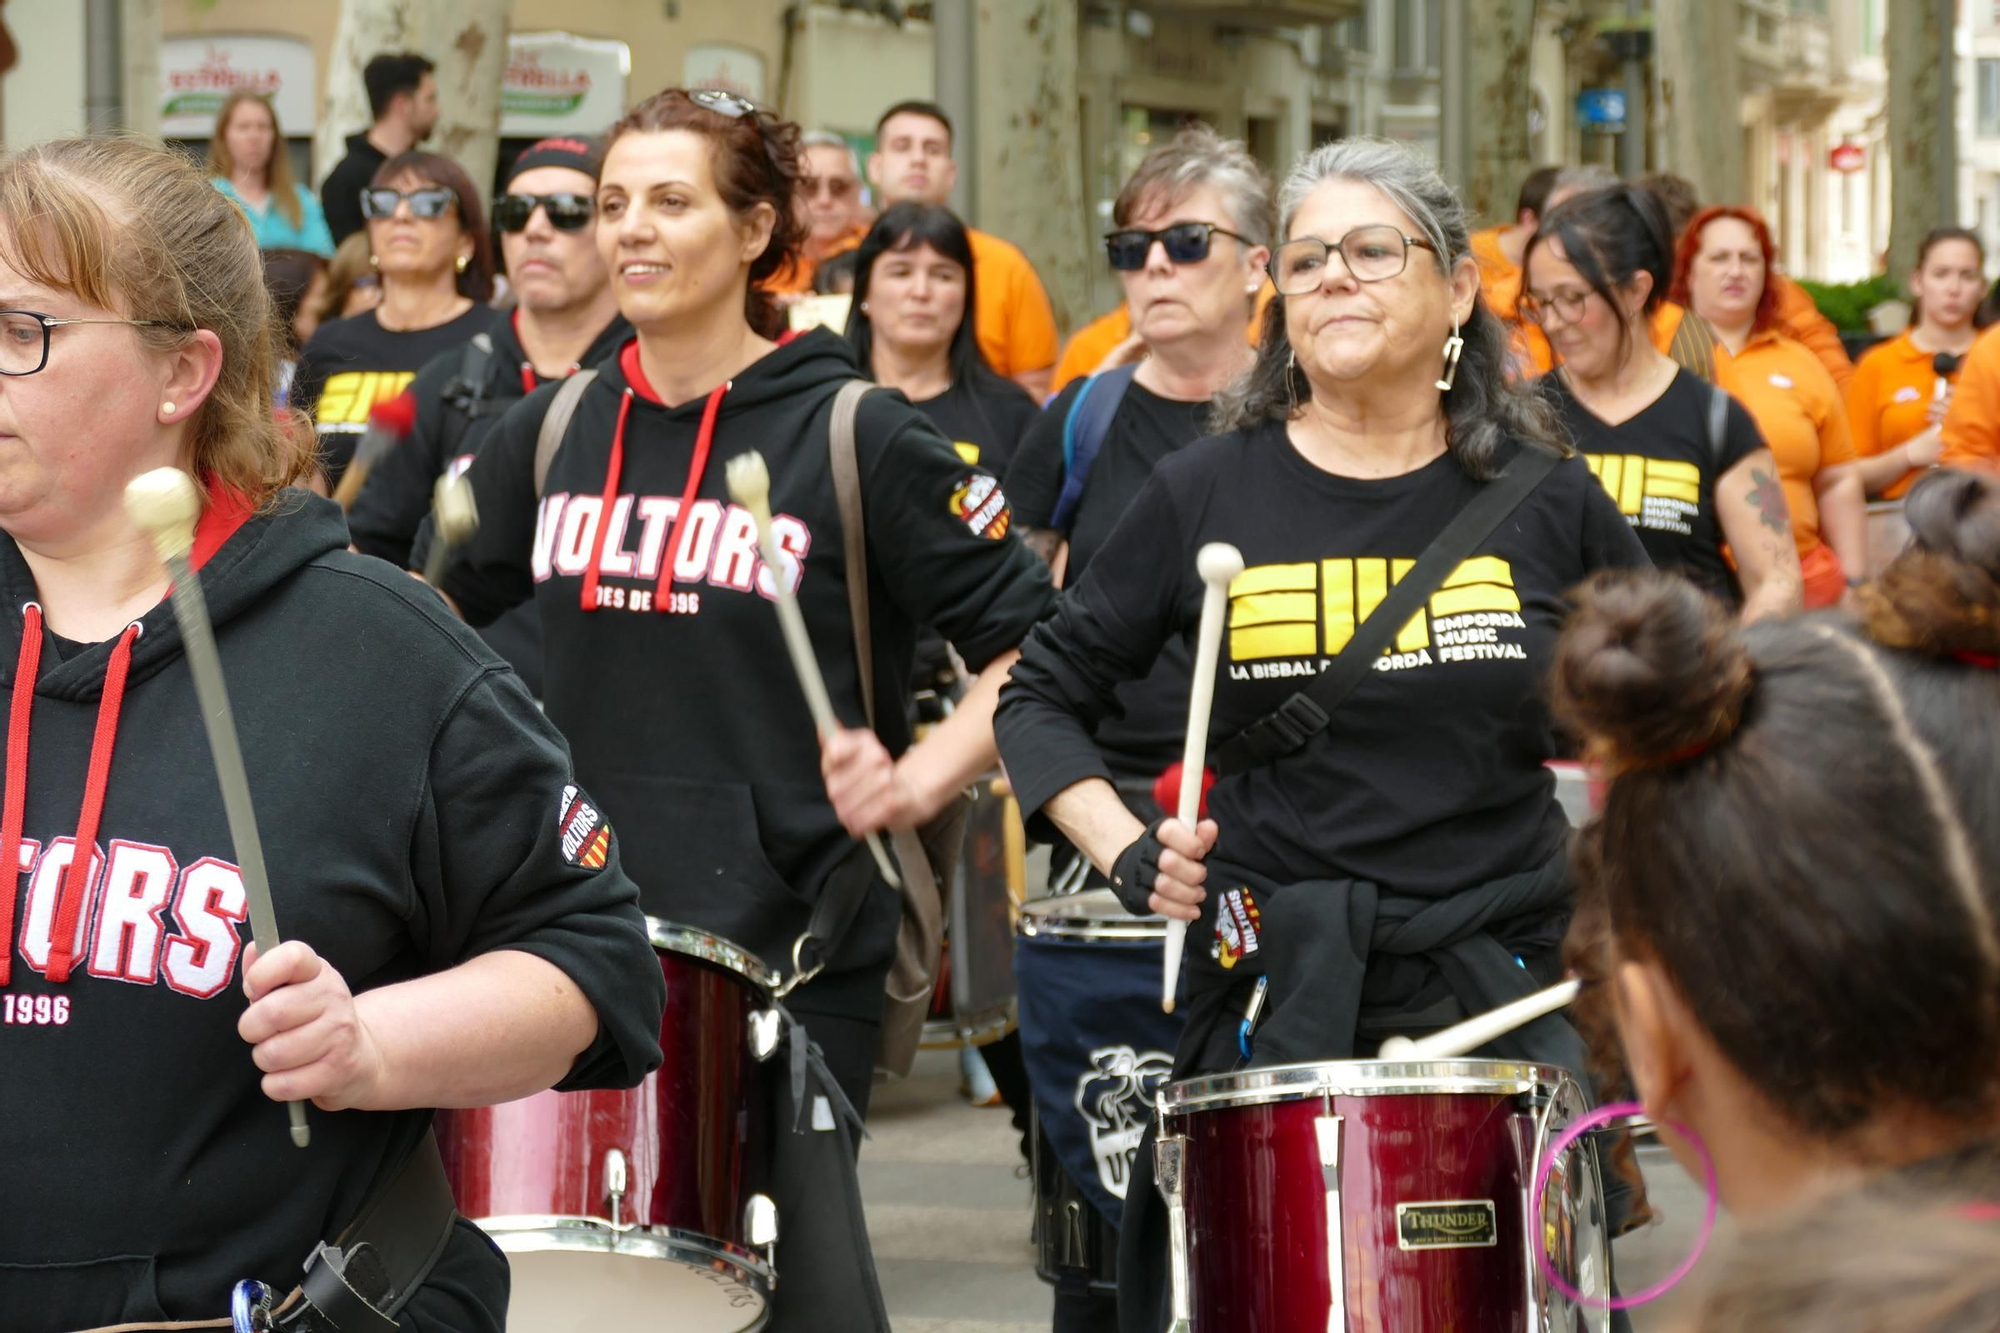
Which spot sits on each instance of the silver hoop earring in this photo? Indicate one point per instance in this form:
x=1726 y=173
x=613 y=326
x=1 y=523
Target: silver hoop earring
x=1452 y=347
x=1291 y=388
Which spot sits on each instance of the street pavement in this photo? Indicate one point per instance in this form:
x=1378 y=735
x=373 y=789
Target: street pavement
x=949 y=1203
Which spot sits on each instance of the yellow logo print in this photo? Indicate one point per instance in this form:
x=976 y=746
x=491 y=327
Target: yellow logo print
x=348 y=398
x=1633 y=479
x=1305 y=609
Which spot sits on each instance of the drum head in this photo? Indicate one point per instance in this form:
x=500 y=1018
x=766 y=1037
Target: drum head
x=584 y=1291
x=1094 y=915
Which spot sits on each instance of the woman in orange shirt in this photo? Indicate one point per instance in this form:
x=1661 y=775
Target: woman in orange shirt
x=1722 y=270
x=1897 y=402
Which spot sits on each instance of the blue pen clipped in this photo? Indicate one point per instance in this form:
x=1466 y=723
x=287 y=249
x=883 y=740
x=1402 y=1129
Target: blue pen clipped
x=1250 y=1013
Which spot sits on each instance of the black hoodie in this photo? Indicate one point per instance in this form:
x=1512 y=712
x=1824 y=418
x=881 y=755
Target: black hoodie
x=411 y=801
x=340 y=192
x=452 y=417
x=680 y=704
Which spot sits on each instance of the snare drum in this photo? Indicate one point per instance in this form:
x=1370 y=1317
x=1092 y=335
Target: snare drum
x=1365 y=1195
x=642 y=1208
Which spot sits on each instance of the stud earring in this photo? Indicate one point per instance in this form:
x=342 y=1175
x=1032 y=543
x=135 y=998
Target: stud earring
x=864 y=307
x=463 y=261
x=374 y=260
x=1452 y=347
x=167 y=408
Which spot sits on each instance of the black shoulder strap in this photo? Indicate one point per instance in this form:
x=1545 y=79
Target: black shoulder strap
x=467 y=389
x=1306 y=713
x=1718 y=426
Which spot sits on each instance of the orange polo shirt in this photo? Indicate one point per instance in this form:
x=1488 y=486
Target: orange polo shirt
x=796 y=277
x=1798 y=408
x=1972 y=425
x=1094 y=341
x=1493 y=262
x=1015 y=323
x=1800 y=320
x=1889 y=401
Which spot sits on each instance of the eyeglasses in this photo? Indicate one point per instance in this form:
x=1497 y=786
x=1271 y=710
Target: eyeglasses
x=1185 y=242
x=429 y=202
x=839 y=187
x=566 y=212
x=24 y=337
x=728 y=103
x=1535 y=309
x=1371 y=254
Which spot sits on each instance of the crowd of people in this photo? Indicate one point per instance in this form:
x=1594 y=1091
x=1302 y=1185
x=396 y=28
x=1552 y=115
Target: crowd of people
x=1604 y=467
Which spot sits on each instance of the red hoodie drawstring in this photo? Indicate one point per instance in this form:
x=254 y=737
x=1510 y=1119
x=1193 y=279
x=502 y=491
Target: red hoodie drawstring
x=76 y=876
x=704 y=439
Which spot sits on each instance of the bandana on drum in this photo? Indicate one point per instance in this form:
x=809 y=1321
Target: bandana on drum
x=1290 y=620
x=718 y=548
x=586 y=836
x=1115 y=1098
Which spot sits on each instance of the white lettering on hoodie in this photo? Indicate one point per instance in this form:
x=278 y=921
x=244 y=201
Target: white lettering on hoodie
x=718 y=544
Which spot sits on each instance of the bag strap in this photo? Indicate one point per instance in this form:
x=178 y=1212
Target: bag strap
x=359 y=1283
x=467 y=390
x=1307 y=713
x=555 y=424
x=1718 y=426
x=1084 y=429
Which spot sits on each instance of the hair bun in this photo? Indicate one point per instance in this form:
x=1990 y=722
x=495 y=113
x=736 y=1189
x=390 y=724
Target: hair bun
x=1942 y=595
x=1648 y=670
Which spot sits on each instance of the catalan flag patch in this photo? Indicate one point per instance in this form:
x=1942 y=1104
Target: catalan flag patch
x=586 y=834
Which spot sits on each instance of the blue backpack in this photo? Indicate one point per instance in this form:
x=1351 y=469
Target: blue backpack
x=1084 y=429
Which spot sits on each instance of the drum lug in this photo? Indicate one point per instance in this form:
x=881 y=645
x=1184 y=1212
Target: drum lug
x=1169 y=1162
x=1327 y=1129
x=760 y=1226
x=766 y=1030
x=615 y=1183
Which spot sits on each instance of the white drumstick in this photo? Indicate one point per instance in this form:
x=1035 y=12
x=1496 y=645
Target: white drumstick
x=749 y=483
x=1218 y=563
x=1467 y=1037
x=165 y=503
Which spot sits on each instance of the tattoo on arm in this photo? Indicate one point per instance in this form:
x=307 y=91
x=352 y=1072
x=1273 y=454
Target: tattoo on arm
x=1043 y=542
x=1768 y=498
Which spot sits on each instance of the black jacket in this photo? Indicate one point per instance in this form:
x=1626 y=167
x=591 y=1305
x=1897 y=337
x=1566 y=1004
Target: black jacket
x=340 y=192
x=411 y=801
x=454 y=414
x=680 y=702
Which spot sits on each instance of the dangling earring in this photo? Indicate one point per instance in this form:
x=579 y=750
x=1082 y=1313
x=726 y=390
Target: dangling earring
x=1452 y=347
x=1291 y=389
x=463 y=260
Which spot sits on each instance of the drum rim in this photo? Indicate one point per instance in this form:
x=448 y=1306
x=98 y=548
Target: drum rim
x=710 y=948
x=594 y=1235
x=1057 y=925
x=1356 y=1078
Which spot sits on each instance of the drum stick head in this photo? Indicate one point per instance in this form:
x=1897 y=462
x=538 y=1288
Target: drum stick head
x=1218 y=563
x=750 y=484
x=1398 y=1048
x=166 y=504
x=457 y=514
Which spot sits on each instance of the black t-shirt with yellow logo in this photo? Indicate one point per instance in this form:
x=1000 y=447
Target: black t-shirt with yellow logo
x=1660 y=467
x=984 y=420
x=1430 y=778
x=352 y=366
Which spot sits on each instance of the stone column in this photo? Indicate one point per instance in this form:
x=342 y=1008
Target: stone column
x=1922 y=145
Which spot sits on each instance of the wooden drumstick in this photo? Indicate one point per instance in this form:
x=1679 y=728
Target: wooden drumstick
x=166 y=504
x=1467 y=1037
x=454 y=519
x=749 y=483
x=1218 y=563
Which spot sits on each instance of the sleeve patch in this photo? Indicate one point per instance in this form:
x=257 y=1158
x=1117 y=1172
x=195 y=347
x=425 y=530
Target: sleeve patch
x=977 y=502
x=586 y=834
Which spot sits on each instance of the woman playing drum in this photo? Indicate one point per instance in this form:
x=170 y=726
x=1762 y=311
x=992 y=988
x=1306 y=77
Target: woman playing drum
x=1389 y=871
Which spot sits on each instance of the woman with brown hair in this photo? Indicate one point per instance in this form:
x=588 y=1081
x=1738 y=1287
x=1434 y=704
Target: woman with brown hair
x=431 y=247
x=248 y=162
x=441 y=949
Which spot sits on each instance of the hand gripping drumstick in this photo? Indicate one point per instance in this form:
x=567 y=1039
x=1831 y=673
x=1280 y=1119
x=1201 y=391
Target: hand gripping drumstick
x=750 y=486
x=165 y=503
x=1218 y=563
x=1467 y=1037
x=454 y=519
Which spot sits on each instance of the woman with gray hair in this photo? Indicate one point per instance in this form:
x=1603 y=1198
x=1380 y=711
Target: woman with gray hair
x=1389 y=859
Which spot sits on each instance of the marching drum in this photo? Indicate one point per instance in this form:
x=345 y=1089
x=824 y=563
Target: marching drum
x=1097 y=1049
x=642 y=1208
x=1371 y=1196
x=973 y=1002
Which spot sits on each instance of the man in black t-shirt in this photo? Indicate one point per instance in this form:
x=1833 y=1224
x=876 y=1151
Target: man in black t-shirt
x=402 y=97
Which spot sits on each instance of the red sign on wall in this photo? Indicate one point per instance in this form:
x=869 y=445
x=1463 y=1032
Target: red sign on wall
x=1849 y=157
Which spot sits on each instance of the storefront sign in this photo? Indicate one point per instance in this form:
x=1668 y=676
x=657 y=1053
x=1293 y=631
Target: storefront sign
x=1849 y=157
x=559 y=84
x=1601 y=110
x=730 y=68
x=197 y=75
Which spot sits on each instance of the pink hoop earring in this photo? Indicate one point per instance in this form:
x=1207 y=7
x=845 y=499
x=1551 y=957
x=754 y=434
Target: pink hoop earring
x=1604 y=1115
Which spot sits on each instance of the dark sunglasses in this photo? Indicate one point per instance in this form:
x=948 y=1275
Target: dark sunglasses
x=429 y=202
x=566 y=212
x=1186 y=243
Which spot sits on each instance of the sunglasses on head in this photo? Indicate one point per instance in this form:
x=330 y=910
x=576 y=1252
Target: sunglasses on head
x=729 y=104
x=429 y=202
x=1185 y=242
x=566 y=212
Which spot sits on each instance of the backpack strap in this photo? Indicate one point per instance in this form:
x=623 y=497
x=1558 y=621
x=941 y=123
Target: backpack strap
x=1718 y=426
x=467 y=390
x=555 y=424
x=1084 y=429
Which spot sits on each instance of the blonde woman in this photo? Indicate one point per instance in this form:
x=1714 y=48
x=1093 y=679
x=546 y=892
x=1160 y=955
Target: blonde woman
x=248 y=163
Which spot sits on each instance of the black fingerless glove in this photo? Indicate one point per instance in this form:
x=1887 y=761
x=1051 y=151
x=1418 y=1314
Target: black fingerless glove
x=1136 y=869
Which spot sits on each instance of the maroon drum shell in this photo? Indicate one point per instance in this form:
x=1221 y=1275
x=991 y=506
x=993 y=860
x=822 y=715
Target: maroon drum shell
x=694 y=1133
x=1256 y=1203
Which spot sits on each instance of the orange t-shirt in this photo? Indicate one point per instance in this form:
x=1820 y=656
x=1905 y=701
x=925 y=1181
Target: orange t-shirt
x=1014 y=321
x=1889 y=401
x=1493 y=262
x=1797 y=406
x=1972 y=424
x=796 y=277
x=1094 y=341
x=1800 y=320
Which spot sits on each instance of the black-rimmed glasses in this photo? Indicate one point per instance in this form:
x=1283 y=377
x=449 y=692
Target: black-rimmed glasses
x=430 y=202
x=566 y=212
x=1371 y=254
x=1535 y=309
x=1185 y=243
x=24 y=337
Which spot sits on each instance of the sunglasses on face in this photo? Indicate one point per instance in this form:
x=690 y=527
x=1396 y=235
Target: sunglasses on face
x=840 y=187
x=1185 y=242
x=566 y=212
x=429 y=202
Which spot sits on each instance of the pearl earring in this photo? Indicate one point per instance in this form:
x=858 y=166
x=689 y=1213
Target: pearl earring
x=167 y=408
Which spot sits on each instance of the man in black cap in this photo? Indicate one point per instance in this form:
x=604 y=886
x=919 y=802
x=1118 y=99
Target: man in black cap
x=566 y=319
